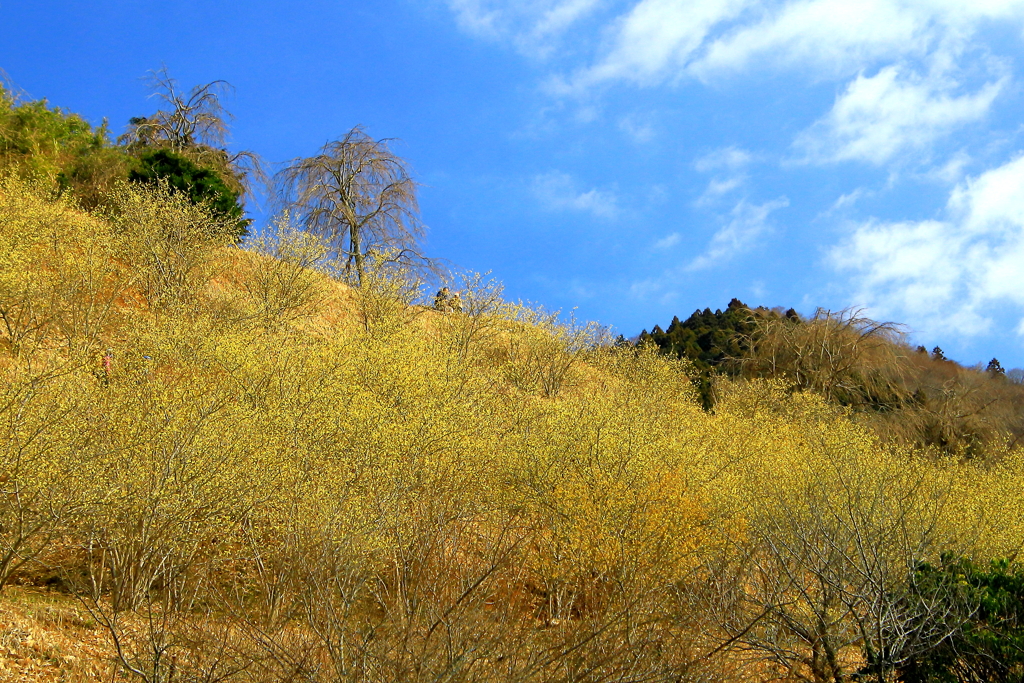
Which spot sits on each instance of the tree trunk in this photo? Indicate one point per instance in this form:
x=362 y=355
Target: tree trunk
x=357 y=253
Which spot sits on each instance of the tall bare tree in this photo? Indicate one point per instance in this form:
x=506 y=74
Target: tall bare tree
x=191 y=118
x=194 y=123
x=358 y=195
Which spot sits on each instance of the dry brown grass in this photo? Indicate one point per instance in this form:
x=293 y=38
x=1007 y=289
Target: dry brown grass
x=46 y=636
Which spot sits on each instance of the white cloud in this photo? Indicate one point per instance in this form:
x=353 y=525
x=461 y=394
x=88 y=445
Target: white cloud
x=993 y=203
x=848 y=199
x=833 y=37
x=638 y=129
x=718 y=188
x=748 y=222
x=729 y=158
x=914 y=72
x=530 y=25
x=950 y=172
x=475 y=17
x=668 y=241
x=654 y=41
x=659 y=41
x=656 y=289
x=644 y=289
x=895 y=111
x=943 y=276
x=559 y=191
x=561 y=15
x=581 y=291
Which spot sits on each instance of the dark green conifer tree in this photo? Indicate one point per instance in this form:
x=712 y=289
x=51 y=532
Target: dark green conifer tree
x=200 y=185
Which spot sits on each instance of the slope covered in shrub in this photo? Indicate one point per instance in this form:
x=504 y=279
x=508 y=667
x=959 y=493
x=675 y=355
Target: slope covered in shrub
x=247 y=470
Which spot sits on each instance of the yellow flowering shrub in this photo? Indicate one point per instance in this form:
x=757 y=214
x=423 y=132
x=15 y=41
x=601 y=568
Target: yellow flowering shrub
x=388 y=492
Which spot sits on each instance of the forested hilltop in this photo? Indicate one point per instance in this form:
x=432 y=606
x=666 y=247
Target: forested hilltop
x=279 y=458
x=906 y=394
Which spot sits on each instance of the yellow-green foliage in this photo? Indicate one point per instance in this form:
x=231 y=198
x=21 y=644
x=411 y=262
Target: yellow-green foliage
x=486 y=491
x=57 y=149
x=60 y=276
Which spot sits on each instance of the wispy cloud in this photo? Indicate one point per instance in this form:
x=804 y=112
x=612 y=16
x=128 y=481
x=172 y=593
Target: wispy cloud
x=661 y=41
x=945 y=276
x=914 y=83
x=730 y=163
x=828 y=37
x=655 y=41
x=530 y=25
x=899 y=60
x=719 y=187
x=559 y=191
x=559 y=16
x=895 y=111
x=668 y=241
x=728 y=158
x=747 y=223
x=637 y=128
x=659 y=289
x=952 y=171
x=847 y=200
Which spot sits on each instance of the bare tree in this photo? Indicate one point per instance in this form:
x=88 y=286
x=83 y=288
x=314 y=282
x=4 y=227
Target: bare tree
x=194 y=124
x=840 y=354
x=358 y=195
x=192 y=118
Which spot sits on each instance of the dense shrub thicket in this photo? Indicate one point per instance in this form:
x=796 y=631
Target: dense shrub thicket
x=248 y=471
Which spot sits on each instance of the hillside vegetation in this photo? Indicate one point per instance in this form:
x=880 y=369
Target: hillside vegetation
x=250 y=462
x=182 y=146
x=279 y=477
x=903 y=394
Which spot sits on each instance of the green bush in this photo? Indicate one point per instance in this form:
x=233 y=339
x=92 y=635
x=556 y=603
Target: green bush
x=46 y=143
x=988 y=646
x=199 y=184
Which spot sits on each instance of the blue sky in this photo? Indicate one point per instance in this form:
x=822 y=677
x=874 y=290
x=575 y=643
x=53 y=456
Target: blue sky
x=633 y=159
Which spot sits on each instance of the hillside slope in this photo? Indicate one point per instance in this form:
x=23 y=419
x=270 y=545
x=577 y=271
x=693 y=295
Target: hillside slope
x=226 y=465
